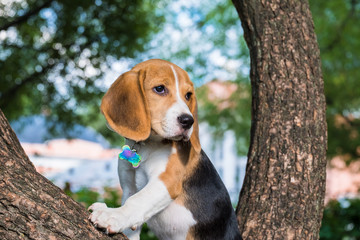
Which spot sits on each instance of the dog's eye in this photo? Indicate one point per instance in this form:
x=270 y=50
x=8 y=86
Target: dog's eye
x=188 y=95
x=160 y=89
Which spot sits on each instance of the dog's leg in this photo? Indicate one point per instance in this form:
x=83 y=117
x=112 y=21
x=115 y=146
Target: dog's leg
x=138 y=208
x=127 y=180
x=128 y=185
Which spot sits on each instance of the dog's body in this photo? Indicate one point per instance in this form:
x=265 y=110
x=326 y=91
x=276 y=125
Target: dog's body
x=176 y=189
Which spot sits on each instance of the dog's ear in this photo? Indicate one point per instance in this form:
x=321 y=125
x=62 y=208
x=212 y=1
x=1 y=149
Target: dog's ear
x=125 y=108
x=194 y=139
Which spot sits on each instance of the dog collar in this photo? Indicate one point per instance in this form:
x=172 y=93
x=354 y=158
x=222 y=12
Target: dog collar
x=130 y=155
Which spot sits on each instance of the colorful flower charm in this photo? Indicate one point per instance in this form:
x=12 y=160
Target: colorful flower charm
x=130 y=156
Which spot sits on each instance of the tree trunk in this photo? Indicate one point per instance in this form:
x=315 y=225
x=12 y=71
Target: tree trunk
x=31 y=207
x=284 y=187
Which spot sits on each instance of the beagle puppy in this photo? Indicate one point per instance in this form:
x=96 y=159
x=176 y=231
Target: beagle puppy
x=175 y=189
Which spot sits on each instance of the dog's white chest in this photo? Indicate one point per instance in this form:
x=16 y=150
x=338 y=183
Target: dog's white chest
x=173 y=222
x=143 y=183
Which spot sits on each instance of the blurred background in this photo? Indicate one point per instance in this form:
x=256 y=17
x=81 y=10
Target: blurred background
x=58 y=58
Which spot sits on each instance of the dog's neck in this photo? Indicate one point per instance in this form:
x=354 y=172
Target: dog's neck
x=133 y=144
x=153 y=139
x=185 y=150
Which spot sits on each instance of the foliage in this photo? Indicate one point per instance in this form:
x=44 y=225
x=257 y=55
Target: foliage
x=235 y=116
x=341 y=220
x=85 y=196
x=336 y=24
x=53 y=53
x=228 y=40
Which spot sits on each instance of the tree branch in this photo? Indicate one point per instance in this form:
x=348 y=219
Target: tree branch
x=26 y=16
x=31 y=207
x=11 y=91
x=283 y=192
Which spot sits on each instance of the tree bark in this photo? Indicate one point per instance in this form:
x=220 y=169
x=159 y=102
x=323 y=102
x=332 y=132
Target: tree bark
x=284 y=187
x=31 y=207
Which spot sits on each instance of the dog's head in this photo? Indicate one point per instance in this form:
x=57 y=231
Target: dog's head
x=156 y=97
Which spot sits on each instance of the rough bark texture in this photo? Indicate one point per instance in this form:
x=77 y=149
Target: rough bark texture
x=283 y=192
x=31 y=207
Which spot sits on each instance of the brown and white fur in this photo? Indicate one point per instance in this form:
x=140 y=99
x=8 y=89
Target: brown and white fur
x=175 y=190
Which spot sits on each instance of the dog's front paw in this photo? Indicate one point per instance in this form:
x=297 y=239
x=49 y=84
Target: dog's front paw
x=111 y=219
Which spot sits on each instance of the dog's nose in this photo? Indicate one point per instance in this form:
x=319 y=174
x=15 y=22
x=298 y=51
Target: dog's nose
x=186 y=121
